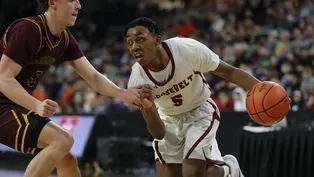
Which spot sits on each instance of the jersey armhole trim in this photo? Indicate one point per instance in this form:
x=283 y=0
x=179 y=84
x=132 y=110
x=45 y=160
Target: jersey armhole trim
x=27 y=19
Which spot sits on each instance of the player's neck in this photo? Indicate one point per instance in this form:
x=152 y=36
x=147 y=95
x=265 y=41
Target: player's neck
x=160 y=62
x=54 y=27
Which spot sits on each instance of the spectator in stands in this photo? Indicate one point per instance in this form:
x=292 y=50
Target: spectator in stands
x=307 y=81
x=297 y=101
x=224 y=101
x=239 y=97
x=310 y=101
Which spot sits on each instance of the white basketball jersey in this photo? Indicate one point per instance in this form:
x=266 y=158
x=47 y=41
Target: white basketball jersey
x=181 y=86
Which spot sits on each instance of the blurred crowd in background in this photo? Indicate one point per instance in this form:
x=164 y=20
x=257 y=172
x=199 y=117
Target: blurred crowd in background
x=271 y=39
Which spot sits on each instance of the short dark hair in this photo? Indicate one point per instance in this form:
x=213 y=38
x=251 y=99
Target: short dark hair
x=143 y=21
x=43 y=5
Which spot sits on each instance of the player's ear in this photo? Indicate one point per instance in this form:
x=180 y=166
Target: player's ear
x=52 y=4
x=158 y=39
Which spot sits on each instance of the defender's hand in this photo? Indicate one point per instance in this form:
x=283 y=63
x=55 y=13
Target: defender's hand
x=131 y=96
x=46 y=108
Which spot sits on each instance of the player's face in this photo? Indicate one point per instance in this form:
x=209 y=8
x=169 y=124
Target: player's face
x=142 y=44
x=67 y=11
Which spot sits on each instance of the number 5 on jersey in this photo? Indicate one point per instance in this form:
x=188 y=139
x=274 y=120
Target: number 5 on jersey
x=177 y=100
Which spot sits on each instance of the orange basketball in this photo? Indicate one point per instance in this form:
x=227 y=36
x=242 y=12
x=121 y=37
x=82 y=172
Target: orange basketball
x=267 y=103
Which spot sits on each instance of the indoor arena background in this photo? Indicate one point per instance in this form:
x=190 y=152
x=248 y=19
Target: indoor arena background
x=271 y=39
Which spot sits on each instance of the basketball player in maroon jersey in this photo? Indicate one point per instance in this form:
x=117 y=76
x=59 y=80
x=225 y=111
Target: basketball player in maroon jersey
x=27 y=49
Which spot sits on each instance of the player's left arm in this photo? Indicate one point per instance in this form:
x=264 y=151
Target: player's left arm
x=235 y=75
x=102 y=84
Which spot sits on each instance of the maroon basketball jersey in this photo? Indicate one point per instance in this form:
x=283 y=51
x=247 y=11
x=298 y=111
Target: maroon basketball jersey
x=29 y=43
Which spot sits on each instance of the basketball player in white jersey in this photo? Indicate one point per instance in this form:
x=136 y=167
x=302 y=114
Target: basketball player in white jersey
x=177 y=107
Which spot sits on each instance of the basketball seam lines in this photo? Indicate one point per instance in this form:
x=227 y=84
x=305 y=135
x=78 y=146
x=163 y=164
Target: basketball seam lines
x=274 y=106
x=264 y=99
x=271 y=107
x=255 y=107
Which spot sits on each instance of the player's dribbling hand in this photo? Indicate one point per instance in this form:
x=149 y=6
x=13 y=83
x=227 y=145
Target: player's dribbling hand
x=147 y=96
x=46 y=108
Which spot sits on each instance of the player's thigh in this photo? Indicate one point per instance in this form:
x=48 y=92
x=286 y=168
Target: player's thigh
x=200 y=137
x=170 y=149
x=194 y=168
x=168 y=170
x=53 y=133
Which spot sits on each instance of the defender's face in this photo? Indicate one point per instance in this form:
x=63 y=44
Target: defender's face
x=142 y=44
x=67 y=10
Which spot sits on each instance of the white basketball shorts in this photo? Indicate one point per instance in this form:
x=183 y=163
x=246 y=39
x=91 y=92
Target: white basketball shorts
x=190 y=135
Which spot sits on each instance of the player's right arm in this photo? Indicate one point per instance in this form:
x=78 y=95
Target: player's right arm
x=18 y=47
x=12 y=89
x=154 y=124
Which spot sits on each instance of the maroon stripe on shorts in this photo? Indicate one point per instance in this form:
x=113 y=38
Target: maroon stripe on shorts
x=215 y=117
x=214 y=113
x=158 y=152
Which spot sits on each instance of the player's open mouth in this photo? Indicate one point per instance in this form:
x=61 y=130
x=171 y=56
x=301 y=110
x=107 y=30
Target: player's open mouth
x=138 y=57
x=74 y=15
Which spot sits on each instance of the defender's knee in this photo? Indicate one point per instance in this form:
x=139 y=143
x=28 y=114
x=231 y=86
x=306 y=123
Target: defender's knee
x=65 y=141
x=69 y=161
x=56 y=137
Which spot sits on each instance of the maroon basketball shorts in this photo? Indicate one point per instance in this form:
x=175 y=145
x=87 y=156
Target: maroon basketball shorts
x=20 y=129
